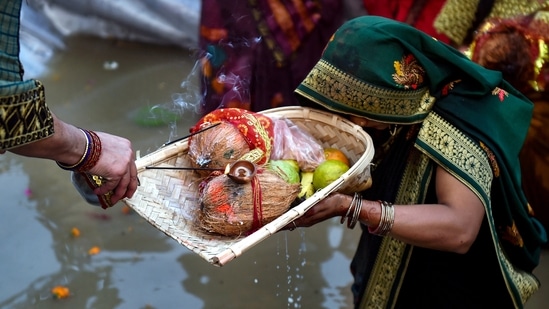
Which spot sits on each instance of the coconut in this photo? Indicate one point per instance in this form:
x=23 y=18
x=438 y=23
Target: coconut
x=217 y=147
x=227 y=207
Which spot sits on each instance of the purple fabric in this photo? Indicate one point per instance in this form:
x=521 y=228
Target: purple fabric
x=251 y=61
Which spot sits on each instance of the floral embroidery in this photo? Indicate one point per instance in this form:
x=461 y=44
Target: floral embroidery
x=450 y=86
x=500 y=93
x=447 y=143
x=408 y=72
x=512 y=235
x=491 y=158
x=330 y=82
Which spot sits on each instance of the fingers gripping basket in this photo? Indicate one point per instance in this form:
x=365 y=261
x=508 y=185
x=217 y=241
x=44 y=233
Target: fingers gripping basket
x=165 y=197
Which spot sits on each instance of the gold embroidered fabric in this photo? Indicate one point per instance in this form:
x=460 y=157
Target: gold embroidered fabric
x=385 y=277
x=446 y=143
x=24 y=118
x=456 y=17
x=359 y=96
x=459 y=151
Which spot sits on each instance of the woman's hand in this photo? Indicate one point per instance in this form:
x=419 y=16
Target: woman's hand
x=116 y=163
x=335 y=204
x=451 y=225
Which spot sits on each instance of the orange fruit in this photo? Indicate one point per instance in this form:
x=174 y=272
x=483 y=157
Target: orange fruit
x=336 y=154
x=327 y=172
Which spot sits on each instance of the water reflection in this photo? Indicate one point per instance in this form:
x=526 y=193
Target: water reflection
x=139 y=266
x=288 y=270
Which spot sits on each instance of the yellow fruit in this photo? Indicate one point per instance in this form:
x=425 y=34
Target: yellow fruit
x=336 y=154
x=327 y=172
x=307 y=188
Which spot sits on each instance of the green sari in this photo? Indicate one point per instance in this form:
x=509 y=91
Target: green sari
x=454 y=114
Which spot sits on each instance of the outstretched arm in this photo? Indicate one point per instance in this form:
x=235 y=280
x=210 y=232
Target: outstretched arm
x=116 y=162
x=451 y=225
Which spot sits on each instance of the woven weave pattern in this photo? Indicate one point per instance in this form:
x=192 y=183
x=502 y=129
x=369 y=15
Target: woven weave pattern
x=25 y=118
x=168 y=198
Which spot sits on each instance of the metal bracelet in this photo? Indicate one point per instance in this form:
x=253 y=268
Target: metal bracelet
x=84 y=156
x=356 y=213
x=386 y=221
x=350 y=209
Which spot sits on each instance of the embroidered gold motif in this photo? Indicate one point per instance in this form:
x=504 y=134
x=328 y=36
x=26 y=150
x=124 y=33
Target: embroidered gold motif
x=408 y=72
x=450 y=146
x=543 y=57
x=512 y=235
x=254 y=155
x=464 y=11
x=393 y=254
x=491 y=158
x=500 y=93
x=458 y=150
x=521 y=284
x=261 y=136
x=449 y=87
x=24 y=118
x=357 y=96
x=525 y=283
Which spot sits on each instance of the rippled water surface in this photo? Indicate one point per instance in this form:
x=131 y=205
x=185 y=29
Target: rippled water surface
x=104 y=85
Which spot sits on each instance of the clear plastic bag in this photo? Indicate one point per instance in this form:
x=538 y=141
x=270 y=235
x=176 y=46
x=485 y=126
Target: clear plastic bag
x=292 y=142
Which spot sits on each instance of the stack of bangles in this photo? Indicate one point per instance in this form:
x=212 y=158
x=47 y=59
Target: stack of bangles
x=91 y=154
x=353 y=212
x=386 y=221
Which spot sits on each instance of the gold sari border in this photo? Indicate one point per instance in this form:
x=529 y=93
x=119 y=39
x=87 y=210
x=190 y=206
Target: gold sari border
x=340 y=91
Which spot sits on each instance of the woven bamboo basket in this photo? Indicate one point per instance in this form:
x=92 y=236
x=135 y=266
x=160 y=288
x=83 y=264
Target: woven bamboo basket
x=165 y=196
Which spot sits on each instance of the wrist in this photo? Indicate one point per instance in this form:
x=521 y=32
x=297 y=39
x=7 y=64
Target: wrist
x=77 y=151
x=386 y=219
x=90 y=156
x=372 y=213
x=352 y=214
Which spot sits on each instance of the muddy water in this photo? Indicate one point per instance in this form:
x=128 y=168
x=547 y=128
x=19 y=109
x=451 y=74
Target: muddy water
x=102 y=85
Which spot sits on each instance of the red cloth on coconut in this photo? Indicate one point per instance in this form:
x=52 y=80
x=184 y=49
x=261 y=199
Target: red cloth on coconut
x=256 y=128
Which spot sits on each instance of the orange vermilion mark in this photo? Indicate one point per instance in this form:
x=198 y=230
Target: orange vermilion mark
x=224 y=208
